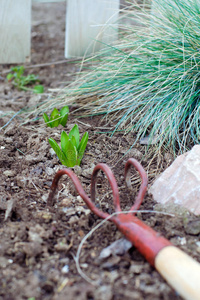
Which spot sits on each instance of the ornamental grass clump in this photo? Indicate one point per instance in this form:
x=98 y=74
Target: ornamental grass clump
x=149 y=81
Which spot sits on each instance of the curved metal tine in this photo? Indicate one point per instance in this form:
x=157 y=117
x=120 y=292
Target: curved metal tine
x=112 y=181
x=143 y=175
x=79 y=188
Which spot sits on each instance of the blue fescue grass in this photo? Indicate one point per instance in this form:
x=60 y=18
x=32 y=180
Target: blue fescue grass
x=149 y=81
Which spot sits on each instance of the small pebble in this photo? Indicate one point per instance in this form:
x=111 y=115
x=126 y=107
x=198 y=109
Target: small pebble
x=193 y=227
x=49 y=171
x=9 y=173
x=136 y=269
x=66 y=202
x=84 y=266
x=52 y=152
x=73 y=220
x=69 y=211
x=65 y=269
x=77 y=170
x=79 y=199
x=44 y=198
x=198 y=246
x=182 y=241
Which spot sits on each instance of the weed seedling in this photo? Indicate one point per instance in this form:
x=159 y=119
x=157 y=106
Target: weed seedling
x=71 y=151
x=20 y=81
x=56 y=117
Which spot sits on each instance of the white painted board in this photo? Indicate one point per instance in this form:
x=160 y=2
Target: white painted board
x=15 y=31
x=90 y=24
x=45 y=1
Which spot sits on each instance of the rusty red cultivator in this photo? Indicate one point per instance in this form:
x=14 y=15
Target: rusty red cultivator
x=180 y=270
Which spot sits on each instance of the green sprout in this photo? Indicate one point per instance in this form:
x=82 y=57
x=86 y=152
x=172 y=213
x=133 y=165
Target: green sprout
x=20 y=81
x=56 y=117
x=71 y=151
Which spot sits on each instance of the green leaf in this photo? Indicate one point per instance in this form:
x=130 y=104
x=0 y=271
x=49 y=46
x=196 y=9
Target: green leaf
x=27 y=80
x=46 y=119
x=63 y=120
x=64 y=115
x=64 y=139
x=71 y=153
x=15 y=69
x=82 y=146
x=75 y=132
x=38 y=89
x=56 y=122
x=83 y=142
x=9 y=77
x=69 y=149
x=55 y=118
x=63 y=159
x=73 y=141
x=31 y=78
x=64 y=110
x=54 y=113
x=19 y=71
x=21 y=81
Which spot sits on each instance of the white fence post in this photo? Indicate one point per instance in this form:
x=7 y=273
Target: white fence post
x=88 y=25
x=15 y=31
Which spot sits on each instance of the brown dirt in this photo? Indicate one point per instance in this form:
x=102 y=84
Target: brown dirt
x=38 y=245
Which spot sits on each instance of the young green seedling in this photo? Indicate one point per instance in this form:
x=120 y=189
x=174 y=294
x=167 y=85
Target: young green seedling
x=56 y=117
x=20 y=81
x=71 y=151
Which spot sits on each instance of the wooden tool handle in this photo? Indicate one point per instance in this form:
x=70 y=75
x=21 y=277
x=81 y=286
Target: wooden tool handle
x=180 y=270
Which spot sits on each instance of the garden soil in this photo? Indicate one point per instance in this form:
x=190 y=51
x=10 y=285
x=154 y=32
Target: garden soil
x=38 y=245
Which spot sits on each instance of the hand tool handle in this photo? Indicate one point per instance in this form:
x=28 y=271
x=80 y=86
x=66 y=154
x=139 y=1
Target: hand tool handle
x=180 y=270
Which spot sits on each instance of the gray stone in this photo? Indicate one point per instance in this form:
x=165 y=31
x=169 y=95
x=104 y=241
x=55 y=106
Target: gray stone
x=119 y=247
x=193 y=227
x=49 y=171
x=180 y=183
x=77 y=170
x=88 y=172
x=9 y=173
x=4 y=262
x=104 y=292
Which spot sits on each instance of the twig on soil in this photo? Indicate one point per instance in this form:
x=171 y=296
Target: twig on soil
x=34 y=184
x=17 y=113
x=47 y=64
x=88 y=125
x=77 y=257
x=63 y=284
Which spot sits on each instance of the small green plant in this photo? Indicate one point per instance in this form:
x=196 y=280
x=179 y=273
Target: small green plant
x=56 y=117
x=20 y=81
x=71 y=151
